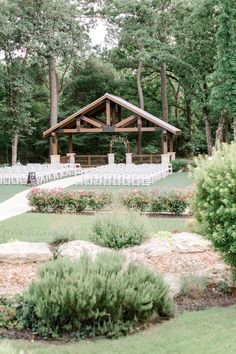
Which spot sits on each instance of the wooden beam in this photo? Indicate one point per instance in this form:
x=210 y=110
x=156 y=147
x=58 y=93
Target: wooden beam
x=90 y=130
x=54 y=144
x=164 y=142
x=108 y=112
x=92 y=121
x=67 y=131
x=78 y=123
x=70 y=143
x=130 y=130
x=171 y=143
x=124 y=122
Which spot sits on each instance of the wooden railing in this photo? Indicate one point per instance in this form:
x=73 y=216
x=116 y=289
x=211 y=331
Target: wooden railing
x=91 y=160
x=64 y=159
x=138 y=159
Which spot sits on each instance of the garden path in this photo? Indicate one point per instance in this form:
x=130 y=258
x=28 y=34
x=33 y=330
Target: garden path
x=18 y=204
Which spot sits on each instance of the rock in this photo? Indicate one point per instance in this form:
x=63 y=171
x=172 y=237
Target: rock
x=25 y=252
x=217 y=273
x=154 y=247
x=75 y=249
x=186 y=242
x=174 y=282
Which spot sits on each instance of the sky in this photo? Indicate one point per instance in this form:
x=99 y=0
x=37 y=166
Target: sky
x=98 y=33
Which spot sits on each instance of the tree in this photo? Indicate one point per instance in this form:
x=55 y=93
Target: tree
x=223 y=98
x=16 y=119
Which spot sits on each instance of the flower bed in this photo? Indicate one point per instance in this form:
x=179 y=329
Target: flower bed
x=175 y=202
x=58 y=200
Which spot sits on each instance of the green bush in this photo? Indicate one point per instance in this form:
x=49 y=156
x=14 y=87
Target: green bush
x=214 y=202
x=174 y=202
x=193 y=286
x=135 y=199
x=179 y=164
x=57 y=200
x=8 y=318
x=120 y=228
x=93 y=298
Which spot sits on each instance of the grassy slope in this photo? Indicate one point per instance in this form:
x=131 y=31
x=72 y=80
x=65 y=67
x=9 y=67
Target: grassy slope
x=44 y=227
x=204 y=332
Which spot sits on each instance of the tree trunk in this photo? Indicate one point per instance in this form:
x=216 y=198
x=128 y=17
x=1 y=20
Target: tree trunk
x=207 y=130
x=53 y=95
x=235 y=129
x=15 y=140
x=164 y=99
x=220 y=131
x=189 y=123
x=141 y=103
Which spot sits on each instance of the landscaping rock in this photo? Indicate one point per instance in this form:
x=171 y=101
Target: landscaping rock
x=174 y=283
x=75 y=249
x=25 y=252
x=187 y=242
x=217 y=273
x=154 y=247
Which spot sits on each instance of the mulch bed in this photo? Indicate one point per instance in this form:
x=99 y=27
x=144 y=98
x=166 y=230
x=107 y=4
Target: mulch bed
x=210 y=298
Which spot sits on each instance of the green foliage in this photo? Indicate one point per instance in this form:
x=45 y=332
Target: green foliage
x=214 y=200
x=8 y=318
x=93 y=298
x=136 y=199
x=179 y=164
x=120 y=228
x=57 y=200
x=193 y=286
x=174 y=202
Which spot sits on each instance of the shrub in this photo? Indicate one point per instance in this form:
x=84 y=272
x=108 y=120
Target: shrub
x=120 y=228
x=193 y=286
x=174 y=202
x=179 y=164
x=214 y=203
x=136 y=199
x=7 y=313
x=93 y=298
x=57 y=200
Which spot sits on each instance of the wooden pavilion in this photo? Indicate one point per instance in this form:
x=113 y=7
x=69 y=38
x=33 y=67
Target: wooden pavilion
x=110 y=114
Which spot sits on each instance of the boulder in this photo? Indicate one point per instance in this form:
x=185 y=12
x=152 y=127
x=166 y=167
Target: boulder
x=75 y=249
x=217 y=273
x=187 y=242
x=25 y=252
x=154 y=247
x=174 y=283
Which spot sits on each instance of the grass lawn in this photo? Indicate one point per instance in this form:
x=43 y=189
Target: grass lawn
x=7 y=192
x=203 y=332
x=175 y=181
x=44 y=227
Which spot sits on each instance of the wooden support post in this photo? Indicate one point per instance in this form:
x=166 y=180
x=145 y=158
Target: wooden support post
x=78 y=124
x=70 y=143
x=139 y=147
x=164 y=142
x=54 y=140
x=171 y=143
x=89 y=160
x=108 y=112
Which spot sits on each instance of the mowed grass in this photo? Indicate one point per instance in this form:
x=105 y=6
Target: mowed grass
x=7 y=192
x=204 y=332
x=175 y=181
x=45 y=227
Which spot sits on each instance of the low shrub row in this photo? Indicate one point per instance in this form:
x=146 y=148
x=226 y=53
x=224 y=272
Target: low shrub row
x=57 y=200
x=174 y=202
x=87 y=298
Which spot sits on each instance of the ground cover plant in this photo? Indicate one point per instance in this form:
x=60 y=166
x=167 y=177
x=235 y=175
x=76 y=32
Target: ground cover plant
x=214 y=199
x=93 y=298
x=120 y=228
x=57 y=200
x=188 y=333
